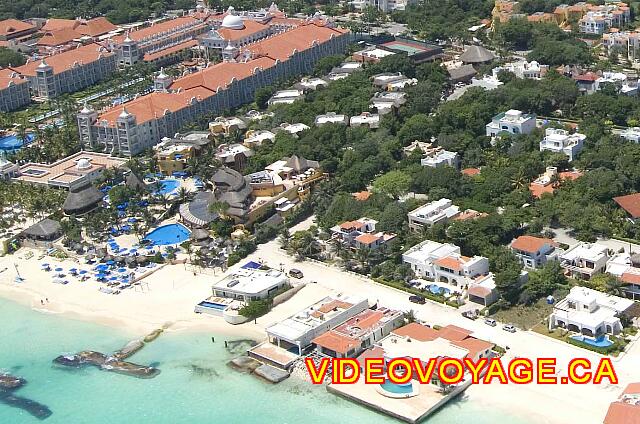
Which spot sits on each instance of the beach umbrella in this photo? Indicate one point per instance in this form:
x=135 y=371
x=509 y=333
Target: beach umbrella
x=110 y=262
x=73 y=270
x=101 y=276
x=113 y=278
x=132 y=220
x=122 y=270
x=58 y=269
x=45 y=265
x=82 y=271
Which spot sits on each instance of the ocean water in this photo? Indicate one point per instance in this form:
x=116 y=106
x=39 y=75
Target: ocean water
x=195 y=385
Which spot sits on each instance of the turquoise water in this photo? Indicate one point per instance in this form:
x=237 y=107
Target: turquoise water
x=169 y=234
x=195 y=385
x=13 y=142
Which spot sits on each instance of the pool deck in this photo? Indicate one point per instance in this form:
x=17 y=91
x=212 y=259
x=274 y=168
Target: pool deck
x=411 y=410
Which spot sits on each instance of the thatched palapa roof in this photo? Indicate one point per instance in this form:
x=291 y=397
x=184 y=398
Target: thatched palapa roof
x=477 y=54
x=82 y=199
x=45 y=229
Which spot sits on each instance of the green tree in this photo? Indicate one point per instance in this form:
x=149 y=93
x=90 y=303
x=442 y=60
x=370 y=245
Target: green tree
x=393 y=183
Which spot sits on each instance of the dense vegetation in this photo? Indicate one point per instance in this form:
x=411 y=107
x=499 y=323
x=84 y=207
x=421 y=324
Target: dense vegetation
x=9 y=57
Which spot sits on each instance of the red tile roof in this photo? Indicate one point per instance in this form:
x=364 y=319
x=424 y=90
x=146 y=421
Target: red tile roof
x=250 y=27
x=470 y=214
x=91 y=27
x=148 y=57
x=159 y=28
x=473 y=345
x=531 y=244
x=8 y=76
x=64 y=61
x=11 y=26
x=471 y=171
x=588 y=77
x=449 y=262
x=630 y=278
x=630 y=203
x=367 y=238
x=479 y=291
x=282 y=46
x=632 y=389
x=59 y=37
x=622 y=413
x=417 y=331
x=454 y=333
x=336 y=342
x=351 y=225
x=361 y=196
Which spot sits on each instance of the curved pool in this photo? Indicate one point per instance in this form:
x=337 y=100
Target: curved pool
x=13 y=142
x=396 y=388
x=168 y=234
x=168 y=186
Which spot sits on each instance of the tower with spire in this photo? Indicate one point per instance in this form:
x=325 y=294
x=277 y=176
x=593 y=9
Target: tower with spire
x=44 y=81
x=162 y=81
x=86 y=118
x=128 y=51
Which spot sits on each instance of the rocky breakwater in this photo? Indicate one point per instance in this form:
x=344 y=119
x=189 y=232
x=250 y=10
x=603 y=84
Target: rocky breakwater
x=9 y=384
x=115 y=362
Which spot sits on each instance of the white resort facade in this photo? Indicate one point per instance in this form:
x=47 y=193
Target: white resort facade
x=512 y=122
x=561 y=141
x=250 y=284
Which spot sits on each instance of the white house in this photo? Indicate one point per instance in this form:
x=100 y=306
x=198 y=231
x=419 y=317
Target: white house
x=360 y=233
x=253 y=138
x=432 y=213
x=285 y=97
x=589 y=312
x=534 y=252
x=298 y=331
x=512 y=122
x=626 y=267
x=250 y=284
x=372 y=120
x=386 y=101
x=311 y=84
x=294 y=128
x=560 y=141
x=331 y=118
x=523 y=69
x=631 y=134
x=439 y=158
x=585 y=259
x=619 y=81
x=444 y=263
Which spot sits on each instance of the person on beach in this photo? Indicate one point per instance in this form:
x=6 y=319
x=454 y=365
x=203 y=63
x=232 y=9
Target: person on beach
x=41 y=302
x=47 y=299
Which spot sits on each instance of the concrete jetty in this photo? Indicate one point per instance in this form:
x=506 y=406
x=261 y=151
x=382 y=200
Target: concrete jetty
x=9 y=384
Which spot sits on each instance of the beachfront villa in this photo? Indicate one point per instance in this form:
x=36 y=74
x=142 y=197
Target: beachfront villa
x=360 y=234
x=250 y=284
x=358 y=333
x=438 y=211
x=296 y=333
x=584 y=260
x=512 y=122
x=443 y=262
x=589 y=312
x=534 y=252
x=560 y=141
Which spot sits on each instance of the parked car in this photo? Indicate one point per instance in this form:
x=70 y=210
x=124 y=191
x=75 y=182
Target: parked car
x=417 y=299
x=509 y=327
x=295 y=273
x=490 y=321
x=470 y=314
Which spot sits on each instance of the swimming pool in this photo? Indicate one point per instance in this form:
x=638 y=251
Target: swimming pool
x=602 y=341
x=168 y=234
x=397 y=388
x=218 y=306
x=436 y=289
x=168 y=186
x=13 y=142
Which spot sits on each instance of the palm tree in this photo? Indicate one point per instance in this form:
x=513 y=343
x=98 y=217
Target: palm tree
x=409 y=316
x=519 y=180
x=183 y=195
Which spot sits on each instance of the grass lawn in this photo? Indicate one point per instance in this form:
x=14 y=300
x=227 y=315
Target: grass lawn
x=525 y=317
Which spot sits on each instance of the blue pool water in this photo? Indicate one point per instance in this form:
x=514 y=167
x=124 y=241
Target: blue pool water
x=602 y=341
x=13 y=142
x=169 y=234
x=397 y=388
x=168 y=186
x=212 y=305
x=436 y=289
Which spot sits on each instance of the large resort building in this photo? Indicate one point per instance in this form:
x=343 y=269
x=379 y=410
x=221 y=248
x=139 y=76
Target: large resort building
x=141 y=123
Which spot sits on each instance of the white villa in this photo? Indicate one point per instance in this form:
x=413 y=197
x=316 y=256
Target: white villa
x=372 y=120
x=286 y=97
x=331 y=118
x=589 y=312
x=560 y=141
x=432 y=213
x=584 y=260
x=311 y=84
x=440 y=158
x=534 y=252
x=384 y=102
x=523 y=69
x=443 y=262
x=631 y=134
x=360 y=234
x=294 y=128
x=250 y=284
x=253 y=138
x=296 y=333
x=626 y=267
x=512 y=122
x=383 y=5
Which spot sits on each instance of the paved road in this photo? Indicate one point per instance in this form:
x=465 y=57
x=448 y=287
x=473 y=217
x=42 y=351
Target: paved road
x=562 y=235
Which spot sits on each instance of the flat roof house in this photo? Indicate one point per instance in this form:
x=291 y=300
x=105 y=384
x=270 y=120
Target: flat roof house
x=250 y=284
x=560 y=141
x=372 y=120
x=296 y=333
x=443 y=262
x=358 y=333
x=432 y=213
x=584 y=260
x=441 y=158
x=626 y=267
x=589 y=312
x=631 y=134
x=534 y=252
x=513 y=122
x=285 y=97
x=331 y=118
